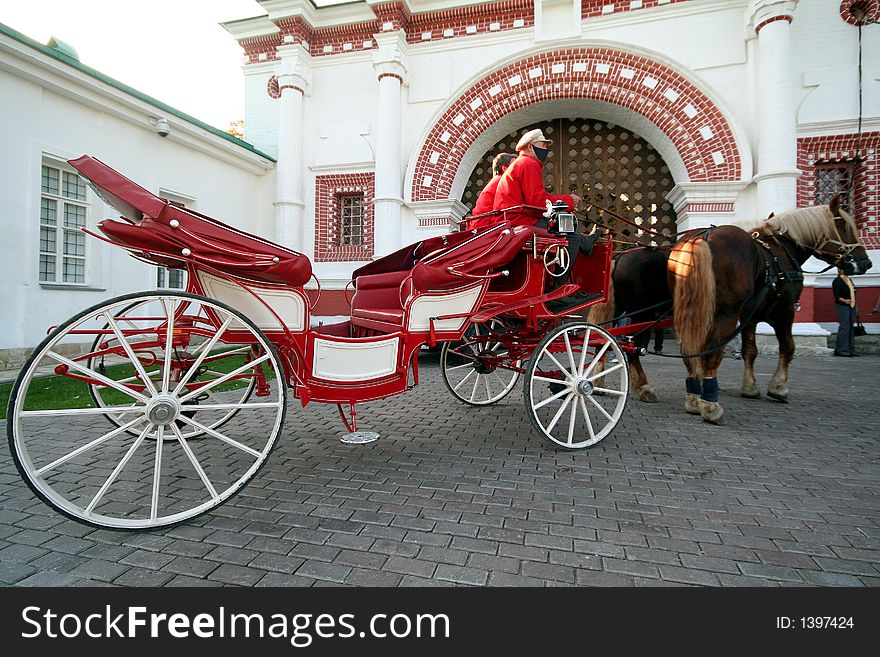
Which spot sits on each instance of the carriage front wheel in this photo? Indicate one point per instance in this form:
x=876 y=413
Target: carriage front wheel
x=575 y=385
x=175 y=373
x=475 y=368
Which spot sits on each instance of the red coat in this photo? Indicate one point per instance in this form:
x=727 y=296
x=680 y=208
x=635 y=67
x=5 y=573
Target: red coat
x=484 y=204
x=523 y=184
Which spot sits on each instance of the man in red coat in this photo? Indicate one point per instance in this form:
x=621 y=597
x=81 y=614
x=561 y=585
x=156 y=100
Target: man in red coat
x=523 y=184
x=486 y=200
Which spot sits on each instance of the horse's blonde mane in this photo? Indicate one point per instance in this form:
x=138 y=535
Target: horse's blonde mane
x=807 y=226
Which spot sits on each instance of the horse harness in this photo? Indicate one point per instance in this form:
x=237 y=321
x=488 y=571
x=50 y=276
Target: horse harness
x=774 y=271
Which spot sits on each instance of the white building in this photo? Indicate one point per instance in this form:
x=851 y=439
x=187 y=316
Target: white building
x=371 y=123
x=383 y=116
x=54 y=108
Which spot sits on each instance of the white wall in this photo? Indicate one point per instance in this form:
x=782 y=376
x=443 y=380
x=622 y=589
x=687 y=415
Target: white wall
x=36 y=121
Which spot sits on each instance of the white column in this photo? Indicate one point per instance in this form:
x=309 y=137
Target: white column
x=292 y=76
x=776 y=114
x=389 y=63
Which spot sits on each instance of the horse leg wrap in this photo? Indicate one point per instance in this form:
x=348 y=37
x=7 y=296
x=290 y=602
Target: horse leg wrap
x=692 y=398
x=710 y=390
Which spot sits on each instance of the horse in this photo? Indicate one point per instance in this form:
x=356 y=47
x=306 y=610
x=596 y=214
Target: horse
x=723 y=276
x=638 y=288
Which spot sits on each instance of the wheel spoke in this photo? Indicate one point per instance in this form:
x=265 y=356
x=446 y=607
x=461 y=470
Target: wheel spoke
x=559 y=413
x=118 y=469
x=584 y=350
x=574 y=369
x=195 y=463
x=208 y=346
x=139 y=368
x=559 y=394
x=216 y=382
x=601 y=410
x=605 y=372
x=157 y=472
x=474 y=391
x=458 y=367
x=619 y=393
x=220 y=436
x=549 y=380
x=467 y=376
x=85 y=448
x=488 y=390
x=583 y=406
x=597 y=358
x=98 y=377
x=98 y=410
x=571 y=424
x=568 y=375
x=169 y=344
x=230 y=406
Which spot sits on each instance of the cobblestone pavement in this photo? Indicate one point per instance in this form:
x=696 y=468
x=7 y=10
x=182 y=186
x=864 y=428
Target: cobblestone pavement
x=785 y=494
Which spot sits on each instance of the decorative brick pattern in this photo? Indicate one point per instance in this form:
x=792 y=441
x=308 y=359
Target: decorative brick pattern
x=669 y=100
x=427 y=26
x=872 y=13
x=328 y=189
x=272 y=88
x=787 y=19
x=842 y=148
x=593 y=8
x=710 y=207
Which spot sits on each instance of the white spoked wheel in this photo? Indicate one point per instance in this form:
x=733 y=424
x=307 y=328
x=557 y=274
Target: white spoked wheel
x=152 y=358
x=576 y=385
x=471 y=369
x=142 y=470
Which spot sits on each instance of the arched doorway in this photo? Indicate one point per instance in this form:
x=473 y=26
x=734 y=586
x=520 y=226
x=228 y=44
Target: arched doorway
x=604 y=163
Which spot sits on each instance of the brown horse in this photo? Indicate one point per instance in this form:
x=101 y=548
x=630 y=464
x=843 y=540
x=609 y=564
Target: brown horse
x=724 y=276
x=639 y=289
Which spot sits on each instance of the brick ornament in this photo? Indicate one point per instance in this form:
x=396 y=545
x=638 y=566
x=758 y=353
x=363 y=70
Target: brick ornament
x=842 y=148
x=328 y=189
x=870 y=7
x=694 y=124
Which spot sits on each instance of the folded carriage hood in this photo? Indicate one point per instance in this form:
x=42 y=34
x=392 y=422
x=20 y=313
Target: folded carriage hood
x=131 y=200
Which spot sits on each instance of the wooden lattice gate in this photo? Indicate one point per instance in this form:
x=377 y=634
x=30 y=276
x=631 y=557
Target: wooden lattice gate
x=605 y=164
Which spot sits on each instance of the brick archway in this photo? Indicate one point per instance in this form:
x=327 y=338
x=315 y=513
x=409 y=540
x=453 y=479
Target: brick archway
x=682 y=114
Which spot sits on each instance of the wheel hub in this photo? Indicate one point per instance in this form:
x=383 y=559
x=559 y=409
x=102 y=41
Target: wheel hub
x=582 y=386
x=163 y=410
x=482 y=366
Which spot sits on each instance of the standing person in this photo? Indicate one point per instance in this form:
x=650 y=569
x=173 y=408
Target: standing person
x=845 y=305
x=486 y=200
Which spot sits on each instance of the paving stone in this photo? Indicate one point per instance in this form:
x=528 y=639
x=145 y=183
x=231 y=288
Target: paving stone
x=237 y=575
x=460 y=575
x=324 y=571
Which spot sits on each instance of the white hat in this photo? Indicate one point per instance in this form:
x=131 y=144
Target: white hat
x=531 y=137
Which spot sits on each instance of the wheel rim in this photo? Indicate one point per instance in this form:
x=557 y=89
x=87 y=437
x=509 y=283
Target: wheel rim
x=142 y=470
x=157 y=353
x=469 y=366
x=575 y=396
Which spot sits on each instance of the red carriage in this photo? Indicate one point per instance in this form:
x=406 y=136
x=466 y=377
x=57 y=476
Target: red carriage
x=177 y=398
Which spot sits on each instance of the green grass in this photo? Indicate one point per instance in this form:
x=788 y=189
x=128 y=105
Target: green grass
x=56 y=392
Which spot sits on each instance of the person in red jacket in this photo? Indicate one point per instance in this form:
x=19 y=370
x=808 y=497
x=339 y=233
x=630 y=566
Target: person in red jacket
x=523 y=184
x=486 y=200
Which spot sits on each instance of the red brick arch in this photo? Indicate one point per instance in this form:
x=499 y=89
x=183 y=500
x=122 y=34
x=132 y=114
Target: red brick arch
x=694 y=124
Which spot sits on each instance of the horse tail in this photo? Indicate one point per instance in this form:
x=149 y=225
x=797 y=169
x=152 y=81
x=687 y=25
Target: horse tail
x=693 y=280
x=602 y=313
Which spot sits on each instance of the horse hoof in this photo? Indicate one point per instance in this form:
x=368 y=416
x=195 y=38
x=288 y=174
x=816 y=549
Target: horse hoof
x=712 y=412
x=750 y=394
x=778 y=396
x=692 y=404
x=647 y=394
x=718 y=422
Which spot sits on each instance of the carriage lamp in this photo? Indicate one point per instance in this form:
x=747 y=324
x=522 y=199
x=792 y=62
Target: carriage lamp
x=565 y=222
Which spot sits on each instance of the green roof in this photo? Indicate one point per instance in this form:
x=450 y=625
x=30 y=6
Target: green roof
x=62 y=54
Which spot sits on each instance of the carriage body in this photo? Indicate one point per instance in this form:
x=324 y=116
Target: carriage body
x=180 y=369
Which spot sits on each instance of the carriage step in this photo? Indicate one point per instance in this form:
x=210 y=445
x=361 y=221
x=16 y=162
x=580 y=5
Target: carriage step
x=359 y=437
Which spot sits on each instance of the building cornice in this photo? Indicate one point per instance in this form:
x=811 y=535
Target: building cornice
x=841 y=127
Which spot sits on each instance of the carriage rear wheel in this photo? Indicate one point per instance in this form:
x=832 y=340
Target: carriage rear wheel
x=169 y=367
x=153 y=356
x=576 y=385
x=471 y=369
